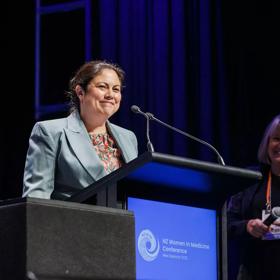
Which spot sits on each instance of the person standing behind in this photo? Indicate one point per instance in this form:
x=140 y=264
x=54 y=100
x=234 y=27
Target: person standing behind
x=260 y=244
x=68 y=154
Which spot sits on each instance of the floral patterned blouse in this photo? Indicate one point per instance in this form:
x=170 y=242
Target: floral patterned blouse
x=107 y=151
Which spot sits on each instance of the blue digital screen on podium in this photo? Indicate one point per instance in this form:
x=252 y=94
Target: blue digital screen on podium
x=174 y=242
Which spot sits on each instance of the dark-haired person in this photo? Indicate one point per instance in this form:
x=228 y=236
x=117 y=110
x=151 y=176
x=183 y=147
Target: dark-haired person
x=68 y=154
x=260 y=244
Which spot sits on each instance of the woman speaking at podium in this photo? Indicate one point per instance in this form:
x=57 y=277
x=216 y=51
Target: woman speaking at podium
x=68 y=154
x=250 y=212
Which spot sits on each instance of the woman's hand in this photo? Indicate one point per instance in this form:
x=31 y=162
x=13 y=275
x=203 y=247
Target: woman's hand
x=257 y=228
x=277 y=222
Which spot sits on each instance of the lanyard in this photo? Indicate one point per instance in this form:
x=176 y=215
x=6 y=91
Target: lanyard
x=268 y=193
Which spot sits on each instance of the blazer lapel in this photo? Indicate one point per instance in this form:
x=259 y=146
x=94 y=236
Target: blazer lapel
x=80 y=142
x=120 y=142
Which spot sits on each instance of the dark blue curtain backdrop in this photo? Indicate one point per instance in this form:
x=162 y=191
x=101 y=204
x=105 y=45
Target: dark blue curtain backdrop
x=210 y=68
x=173 y=55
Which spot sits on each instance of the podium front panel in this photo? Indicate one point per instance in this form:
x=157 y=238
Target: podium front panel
x=174 y=242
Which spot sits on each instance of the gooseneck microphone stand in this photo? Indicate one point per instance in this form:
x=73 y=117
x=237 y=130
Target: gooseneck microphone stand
x=153 y=118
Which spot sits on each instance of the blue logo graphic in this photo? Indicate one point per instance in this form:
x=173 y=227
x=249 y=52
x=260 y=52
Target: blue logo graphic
x=148 y=247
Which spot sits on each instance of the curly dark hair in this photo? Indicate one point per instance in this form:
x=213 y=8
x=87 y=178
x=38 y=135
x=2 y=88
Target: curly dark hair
x=85 y=74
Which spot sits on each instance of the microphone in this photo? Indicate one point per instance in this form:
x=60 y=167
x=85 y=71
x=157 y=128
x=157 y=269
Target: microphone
x=135 y=109
x=273 y=216
x=153 y=118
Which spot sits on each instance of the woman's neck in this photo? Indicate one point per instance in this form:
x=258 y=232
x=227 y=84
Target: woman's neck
x=97 y=130
x=94 y=125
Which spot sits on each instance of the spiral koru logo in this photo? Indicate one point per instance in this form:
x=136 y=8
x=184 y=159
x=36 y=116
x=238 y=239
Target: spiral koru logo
x=148 y=247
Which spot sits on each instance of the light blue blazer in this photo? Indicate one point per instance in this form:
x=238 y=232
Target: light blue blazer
x=61 y=159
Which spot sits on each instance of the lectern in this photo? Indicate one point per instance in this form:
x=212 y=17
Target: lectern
x=177 y=181
x=44 y=239
x=170 y=178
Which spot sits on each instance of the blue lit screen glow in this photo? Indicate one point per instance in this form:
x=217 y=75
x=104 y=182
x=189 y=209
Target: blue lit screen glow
x=174 y=242
x=164 y=174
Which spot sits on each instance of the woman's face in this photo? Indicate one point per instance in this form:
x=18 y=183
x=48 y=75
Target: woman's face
x=274 y=147
x=103 y=95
